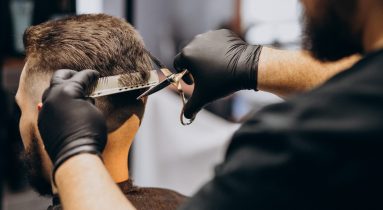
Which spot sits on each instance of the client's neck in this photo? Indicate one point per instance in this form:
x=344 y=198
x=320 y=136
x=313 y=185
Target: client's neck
x=116 y=152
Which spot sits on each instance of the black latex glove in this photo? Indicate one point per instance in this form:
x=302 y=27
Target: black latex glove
x=221 y=63
x=69 y=124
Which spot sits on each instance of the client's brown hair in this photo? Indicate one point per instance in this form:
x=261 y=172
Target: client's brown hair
x=100 y=42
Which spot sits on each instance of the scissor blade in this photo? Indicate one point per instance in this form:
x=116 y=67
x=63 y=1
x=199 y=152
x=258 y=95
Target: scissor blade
x=156 y=88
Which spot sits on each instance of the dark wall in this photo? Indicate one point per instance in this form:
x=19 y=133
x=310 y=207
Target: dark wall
x=44 y=9
x=5 y=29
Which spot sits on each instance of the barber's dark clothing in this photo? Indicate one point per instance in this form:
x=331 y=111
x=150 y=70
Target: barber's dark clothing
x=144 y=198
x=320 y=150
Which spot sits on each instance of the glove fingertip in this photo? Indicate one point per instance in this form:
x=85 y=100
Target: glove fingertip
x=179 y=63
x=61 y=75
x=188 y=79
x=45 y=95
x=191 y=110
x=189 y=115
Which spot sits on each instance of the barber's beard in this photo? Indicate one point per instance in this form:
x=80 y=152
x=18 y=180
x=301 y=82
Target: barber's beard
x=33 y=163
x=330 y=37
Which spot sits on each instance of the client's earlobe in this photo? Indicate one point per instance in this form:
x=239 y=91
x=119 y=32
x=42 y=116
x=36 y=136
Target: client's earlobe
x=39 y=106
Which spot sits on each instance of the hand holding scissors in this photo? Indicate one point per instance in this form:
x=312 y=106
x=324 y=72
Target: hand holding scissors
x=171 y=79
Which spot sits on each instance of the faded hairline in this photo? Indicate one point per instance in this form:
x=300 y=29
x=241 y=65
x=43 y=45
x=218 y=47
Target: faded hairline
x=35 y=82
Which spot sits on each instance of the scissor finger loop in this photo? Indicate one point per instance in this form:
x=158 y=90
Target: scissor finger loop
x=171 y=79
x=184 y=121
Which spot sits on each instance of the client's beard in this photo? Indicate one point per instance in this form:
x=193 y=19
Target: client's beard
x=330 y=37
x=33 y=164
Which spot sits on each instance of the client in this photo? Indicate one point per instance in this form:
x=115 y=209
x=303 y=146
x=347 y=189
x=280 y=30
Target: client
x=110 y=46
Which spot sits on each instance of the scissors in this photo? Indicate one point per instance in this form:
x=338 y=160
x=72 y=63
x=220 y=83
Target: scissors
x=171 y=79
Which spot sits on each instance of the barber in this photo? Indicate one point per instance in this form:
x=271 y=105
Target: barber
x=318 y=150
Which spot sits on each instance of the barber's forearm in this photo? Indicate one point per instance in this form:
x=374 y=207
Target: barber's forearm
x=83 y=183
x=287 y=72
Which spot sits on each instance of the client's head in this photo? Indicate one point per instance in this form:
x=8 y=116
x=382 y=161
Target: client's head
x=100 y=42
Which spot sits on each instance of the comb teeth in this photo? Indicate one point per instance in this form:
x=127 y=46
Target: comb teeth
x=108 y=82
x=102 y=83
x=112 y=85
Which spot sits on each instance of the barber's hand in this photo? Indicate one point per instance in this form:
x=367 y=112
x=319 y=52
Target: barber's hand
x=69 y=124
x=221 y=63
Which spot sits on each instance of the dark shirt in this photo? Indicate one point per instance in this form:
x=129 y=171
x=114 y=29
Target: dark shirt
x=143 y=198
x=320 y=150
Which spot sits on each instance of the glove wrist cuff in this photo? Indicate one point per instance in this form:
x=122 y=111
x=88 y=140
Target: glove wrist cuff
x=253 y=64
x=248 y=68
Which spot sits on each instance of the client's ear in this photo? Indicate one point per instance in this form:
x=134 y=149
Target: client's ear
x=39 y=106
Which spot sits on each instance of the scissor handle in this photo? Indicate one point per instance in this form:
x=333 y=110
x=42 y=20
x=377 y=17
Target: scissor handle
x=182 y=118
x=176 y=78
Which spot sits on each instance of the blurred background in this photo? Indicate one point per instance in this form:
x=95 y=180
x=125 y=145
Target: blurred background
x=164 y=154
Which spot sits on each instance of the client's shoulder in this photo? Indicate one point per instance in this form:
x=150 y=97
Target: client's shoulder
x=151 y=198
